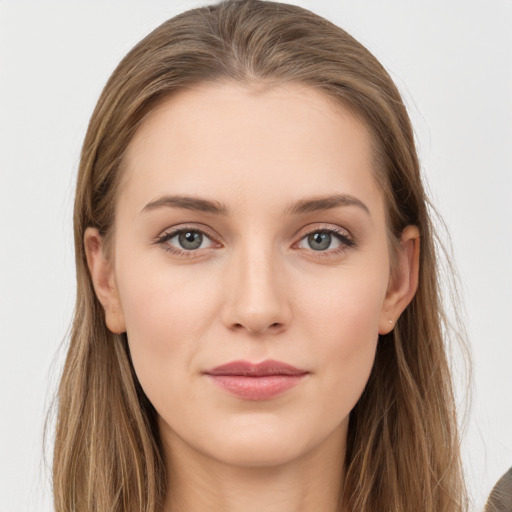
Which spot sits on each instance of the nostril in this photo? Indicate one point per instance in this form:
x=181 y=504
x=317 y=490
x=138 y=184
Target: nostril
x=257 y=330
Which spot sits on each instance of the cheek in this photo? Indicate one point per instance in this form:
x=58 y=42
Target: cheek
x=343 y=322
x=346 y=301
x=167 y=317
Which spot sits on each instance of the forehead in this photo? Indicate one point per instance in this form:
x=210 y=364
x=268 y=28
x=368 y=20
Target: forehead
x=243 y=143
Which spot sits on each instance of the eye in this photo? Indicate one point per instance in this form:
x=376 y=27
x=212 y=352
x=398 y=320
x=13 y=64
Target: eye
x=320 y=241
x=189 y=240
x=326 y=240
x=185 y=240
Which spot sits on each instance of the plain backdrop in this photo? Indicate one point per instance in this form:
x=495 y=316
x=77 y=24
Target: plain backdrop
x=452 y=60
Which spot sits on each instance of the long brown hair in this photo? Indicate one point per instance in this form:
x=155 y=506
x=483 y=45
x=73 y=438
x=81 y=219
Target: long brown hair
x=403 y=446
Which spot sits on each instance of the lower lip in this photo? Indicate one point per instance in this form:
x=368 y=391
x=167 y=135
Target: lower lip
x=256 y=388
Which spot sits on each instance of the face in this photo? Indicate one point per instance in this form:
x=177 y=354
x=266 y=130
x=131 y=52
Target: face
x=251 y=270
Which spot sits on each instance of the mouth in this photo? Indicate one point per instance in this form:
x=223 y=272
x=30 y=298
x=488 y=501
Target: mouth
x=261 y=381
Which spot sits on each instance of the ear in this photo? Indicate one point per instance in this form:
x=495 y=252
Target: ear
x=404 y=283
x=103 y=280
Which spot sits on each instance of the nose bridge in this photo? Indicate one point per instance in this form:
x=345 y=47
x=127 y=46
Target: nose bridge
x=257 y=301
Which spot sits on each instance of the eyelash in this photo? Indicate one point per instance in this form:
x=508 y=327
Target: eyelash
x=346 y=241
x=166 y=236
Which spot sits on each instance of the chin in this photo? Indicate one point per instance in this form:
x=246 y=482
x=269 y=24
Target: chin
x=254 y=444
x=264 y=454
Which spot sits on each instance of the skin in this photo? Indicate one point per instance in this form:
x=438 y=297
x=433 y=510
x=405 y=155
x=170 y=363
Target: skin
x=254 y=290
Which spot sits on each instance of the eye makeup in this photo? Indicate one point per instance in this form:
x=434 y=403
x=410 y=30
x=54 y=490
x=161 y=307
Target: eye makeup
x=320 y=241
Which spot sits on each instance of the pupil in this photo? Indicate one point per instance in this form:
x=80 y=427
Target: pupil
x=190 y=239
x=319 y=241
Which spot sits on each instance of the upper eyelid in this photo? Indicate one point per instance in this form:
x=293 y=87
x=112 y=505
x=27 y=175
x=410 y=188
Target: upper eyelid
x=306 y=229
x=331 y=228
x=175 y=230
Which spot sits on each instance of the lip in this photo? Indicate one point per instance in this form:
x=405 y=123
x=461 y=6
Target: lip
x=256 y=381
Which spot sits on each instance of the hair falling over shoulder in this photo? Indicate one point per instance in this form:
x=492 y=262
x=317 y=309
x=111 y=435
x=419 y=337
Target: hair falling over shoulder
x=403 y=444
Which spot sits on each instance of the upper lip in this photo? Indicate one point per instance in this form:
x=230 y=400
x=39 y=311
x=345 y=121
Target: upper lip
x=248 y=369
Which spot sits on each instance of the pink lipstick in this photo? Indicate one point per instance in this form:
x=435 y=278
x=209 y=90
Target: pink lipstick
x=261 y=381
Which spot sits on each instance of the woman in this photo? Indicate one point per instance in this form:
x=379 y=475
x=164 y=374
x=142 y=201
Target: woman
x=257 y=325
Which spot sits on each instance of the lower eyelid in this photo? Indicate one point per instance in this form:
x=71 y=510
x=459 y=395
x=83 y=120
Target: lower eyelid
x=163 y=241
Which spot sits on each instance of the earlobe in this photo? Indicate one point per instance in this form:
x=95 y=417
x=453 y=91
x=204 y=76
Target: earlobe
x=404 y=283
x=103 y=281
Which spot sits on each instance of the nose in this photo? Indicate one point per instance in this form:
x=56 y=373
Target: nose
x=256 y=295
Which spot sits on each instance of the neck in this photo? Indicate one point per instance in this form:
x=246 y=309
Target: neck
x=307 y=484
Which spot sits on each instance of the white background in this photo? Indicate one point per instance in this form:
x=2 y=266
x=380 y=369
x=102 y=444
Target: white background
x=452 y=60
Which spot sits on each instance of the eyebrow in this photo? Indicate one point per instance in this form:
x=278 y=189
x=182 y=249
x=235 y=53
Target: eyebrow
x=316 y=204
x=303 y=206
x=187 y=203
